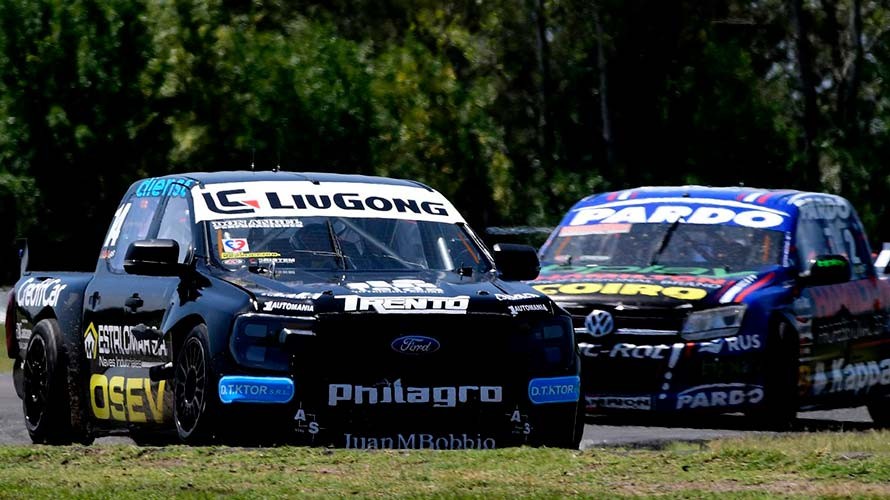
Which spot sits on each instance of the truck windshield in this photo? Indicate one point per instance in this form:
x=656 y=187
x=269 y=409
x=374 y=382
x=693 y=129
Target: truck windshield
x=677 y=244
x=282 y=245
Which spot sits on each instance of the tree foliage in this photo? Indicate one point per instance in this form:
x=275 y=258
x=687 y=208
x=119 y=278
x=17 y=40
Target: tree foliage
x=513 y=108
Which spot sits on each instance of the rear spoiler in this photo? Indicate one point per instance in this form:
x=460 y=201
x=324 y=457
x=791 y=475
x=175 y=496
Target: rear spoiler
x=42 y=255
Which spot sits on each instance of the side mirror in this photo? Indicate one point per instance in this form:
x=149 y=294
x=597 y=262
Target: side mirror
x=882 y=261
x=153 y=258
x=516 y=262
x=827 y=270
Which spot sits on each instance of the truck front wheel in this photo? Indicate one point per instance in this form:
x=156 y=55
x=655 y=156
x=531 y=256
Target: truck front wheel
x=778 y=410
x=193 y=389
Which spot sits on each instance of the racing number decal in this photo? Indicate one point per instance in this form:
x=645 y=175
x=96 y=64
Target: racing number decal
x=116 y=224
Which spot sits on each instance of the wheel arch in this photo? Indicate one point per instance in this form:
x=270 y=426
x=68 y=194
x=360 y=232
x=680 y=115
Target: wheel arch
x=792 y=334
x=180 y=330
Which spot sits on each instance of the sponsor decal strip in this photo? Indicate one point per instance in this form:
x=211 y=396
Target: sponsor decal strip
x=127 y=399
x=554 y=390
x=517 y=296
x=627 y=350
x=406 y=305
x=33 y=293
x=394 y=286
x=675 y=292
x=857 y=297
x=850 y=377
x=177 y=187
x=255 y=223
x=619 y=402
x=117 y=346
x=821 y=206
x=239 y=200
x=719 y=396
x=669 y=214
x=395 y=393
x=657 y=272
x=686 y=202
x=281 y=305
x=246 y=389
x=521 y=308
x=595 y=229
x=740 y=343
x=244 y=255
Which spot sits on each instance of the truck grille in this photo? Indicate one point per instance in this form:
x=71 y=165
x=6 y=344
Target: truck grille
x=661 y=324
x=478 y=372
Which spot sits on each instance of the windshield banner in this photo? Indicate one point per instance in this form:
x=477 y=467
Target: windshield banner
x=668 y=210
x=240 y=200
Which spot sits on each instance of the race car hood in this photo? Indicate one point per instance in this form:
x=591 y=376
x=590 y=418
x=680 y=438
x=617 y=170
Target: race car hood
x=415 y=293
x=652 y=286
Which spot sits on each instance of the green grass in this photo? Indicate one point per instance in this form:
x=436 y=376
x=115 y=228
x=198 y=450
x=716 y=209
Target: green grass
x=814 y=465
x=5 y=362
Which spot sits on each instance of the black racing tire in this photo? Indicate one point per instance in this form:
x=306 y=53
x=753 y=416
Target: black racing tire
x=553 y=430
x=781 y=401
x=573 y=442
x=879 y=410
x=194 y=389
x=52 y=388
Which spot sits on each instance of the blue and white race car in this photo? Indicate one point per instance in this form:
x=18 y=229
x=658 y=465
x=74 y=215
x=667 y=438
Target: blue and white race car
x=722 y=299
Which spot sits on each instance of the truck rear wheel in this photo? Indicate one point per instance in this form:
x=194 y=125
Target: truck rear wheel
x=194 y=398
x=879 y=410
x=51 y=388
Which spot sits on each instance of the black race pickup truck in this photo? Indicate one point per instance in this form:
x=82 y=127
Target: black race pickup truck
x=307 y=308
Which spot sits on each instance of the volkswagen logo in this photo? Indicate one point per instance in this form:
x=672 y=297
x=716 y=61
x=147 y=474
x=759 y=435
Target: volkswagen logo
x=415 y=344
x=599 y=323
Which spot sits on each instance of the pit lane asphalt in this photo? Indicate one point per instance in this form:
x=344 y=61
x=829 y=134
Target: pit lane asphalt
x=638 y=431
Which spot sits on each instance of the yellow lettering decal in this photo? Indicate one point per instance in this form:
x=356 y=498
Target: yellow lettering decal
x=580 y=288
x=156 y=404
x=99 y=396
x=676 y=292
x=548 y=289
x=116 y=398
x=135 y=403
x=635 y=289
x=684 y=293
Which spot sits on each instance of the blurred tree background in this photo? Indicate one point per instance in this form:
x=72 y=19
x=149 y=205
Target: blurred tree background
x=514 y=109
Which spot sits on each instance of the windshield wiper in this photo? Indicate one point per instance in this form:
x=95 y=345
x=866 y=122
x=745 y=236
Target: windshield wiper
x=259 y=269
x=335 y=243
x=664 y=242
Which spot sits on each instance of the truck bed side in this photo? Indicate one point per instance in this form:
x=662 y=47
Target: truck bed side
x=41 y=295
